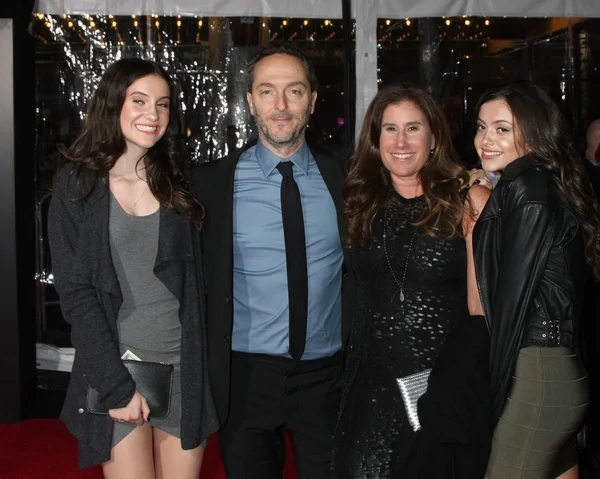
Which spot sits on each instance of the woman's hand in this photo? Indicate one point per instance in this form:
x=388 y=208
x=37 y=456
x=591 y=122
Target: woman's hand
x=478 y=177
x=136 y=412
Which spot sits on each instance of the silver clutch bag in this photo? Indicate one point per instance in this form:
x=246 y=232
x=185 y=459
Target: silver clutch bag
x=411 y=389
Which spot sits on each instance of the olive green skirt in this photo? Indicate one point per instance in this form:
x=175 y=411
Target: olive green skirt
x=535 y=436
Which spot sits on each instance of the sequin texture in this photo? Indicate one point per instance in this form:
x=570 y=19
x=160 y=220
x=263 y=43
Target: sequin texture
x=391 y=339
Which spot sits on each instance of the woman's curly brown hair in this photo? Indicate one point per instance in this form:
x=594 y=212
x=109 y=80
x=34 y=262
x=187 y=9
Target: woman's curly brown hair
x=442 y=176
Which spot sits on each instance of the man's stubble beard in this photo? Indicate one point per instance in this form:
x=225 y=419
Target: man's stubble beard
x=295 y=137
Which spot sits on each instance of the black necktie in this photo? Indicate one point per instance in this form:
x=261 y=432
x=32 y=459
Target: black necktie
x=295 y=254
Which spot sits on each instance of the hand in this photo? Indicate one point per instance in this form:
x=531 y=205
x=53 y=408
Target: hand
x=136 y=412
x=478 y=177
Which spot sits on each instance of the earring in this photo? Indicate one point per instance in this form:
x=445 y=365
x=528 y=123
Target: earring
x=431 y=152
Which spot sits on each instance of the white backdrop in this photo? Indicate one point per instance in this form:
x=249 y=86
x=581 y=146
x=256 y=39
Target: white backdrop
x=326 y=8
x=366 y=13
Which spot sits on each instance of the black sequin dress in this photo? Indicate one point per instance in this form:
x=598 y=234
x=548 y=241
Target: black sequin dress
x=392 y=339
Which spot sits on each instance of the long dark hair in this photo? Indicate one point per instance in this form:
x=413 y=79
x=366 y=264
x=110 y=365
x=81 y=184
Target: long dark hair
x=368 y=182
x=101 y=143
x=545 y=137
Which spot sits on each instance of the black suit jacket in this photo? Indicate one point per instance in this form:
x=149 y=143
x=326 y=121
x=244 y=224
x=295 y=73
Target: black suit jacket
x=212 y=184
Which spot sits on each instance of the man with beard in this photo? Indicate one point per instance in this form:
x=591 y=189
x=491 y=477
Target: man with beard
x=274 y=259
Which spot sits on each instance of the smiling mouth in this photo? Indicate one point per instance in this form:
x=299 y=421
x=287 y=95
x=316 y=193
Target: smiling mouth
x=402 y=156
x=146 y=128
x=490 y=154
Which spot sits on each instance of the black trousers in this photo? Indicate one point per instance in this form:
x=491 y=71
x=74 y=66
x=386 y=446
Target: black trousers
x=269 y=395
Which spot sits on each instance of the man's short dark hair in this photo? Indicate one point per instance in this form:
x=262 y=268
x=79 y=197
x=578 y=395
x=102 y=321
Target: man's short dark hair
x=284 y=49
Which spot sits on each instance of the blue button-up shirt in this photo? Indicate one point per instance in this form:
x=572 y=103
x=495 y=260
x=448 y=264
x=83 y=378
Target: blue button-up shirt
x=260 y=291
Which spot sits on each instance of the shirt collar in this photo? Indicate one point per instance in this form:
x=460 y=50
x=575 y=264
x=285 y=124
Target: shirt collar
x=268 y=161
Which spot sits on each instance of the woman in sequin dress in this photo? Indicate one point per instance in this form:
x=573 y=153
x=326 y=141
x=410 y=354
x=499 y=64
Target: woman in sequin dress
x=409 y=223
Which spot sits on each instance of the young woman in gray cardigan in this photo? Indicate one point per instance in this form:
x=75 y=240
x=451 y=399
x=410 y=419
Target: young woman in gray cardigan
x=123 y=230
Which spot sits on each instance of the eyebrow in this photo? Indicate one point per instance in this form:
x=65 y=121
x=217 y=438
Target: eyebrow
x=496 y=121
x=410 y=123
x=137 y=92
x=295 y=83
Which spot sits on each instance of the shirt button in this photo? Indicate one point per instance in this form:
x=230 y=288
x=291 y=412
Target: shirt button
x=81 y=410
x=226 y=338
x=228 y=299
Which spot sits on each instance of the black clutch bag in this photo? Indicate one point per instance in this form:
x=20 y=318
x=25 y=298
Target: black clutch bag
x=153 y=380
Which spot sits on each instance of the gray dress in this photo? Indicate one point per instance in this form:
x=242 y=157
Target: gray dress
x=148 y=321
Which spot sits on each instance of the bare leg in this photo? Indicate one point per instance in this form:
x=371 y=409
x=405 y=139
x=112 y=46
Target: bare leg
x=172 y=462
x=132 y=457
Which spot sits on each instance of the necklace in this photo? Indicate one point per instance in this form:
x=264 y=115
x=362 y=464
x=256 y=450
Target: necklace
x=400 y=284
x=135 y=202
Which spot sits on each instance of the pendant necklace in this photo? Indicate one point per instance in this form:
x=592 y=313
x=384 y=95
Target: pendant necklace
x=400 y=284
x=140 y=197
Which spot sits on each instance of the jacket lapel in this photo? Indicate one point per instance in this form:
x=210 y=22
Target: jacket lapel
x=97 y=241
x=215 y=189
x=224 y=208
x=333 y=177
x=174 y=249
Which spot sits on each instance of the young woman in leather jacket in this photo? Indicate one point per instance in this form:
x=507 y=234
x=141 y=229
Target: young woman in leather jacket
x=534 y=244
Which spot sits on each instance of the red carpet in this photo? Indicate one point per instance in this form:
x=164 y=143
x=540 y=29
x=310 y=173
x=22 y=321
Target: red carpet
x=44 y=449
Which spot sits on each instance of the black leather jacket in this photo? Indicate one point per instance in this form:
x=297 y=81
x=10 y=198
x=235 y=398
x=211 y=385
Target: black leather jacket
x=530 y=268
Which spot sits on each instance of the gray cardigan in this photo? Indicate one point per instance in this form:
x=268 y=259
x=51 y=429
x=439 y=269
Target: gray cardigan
x=90 y=298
